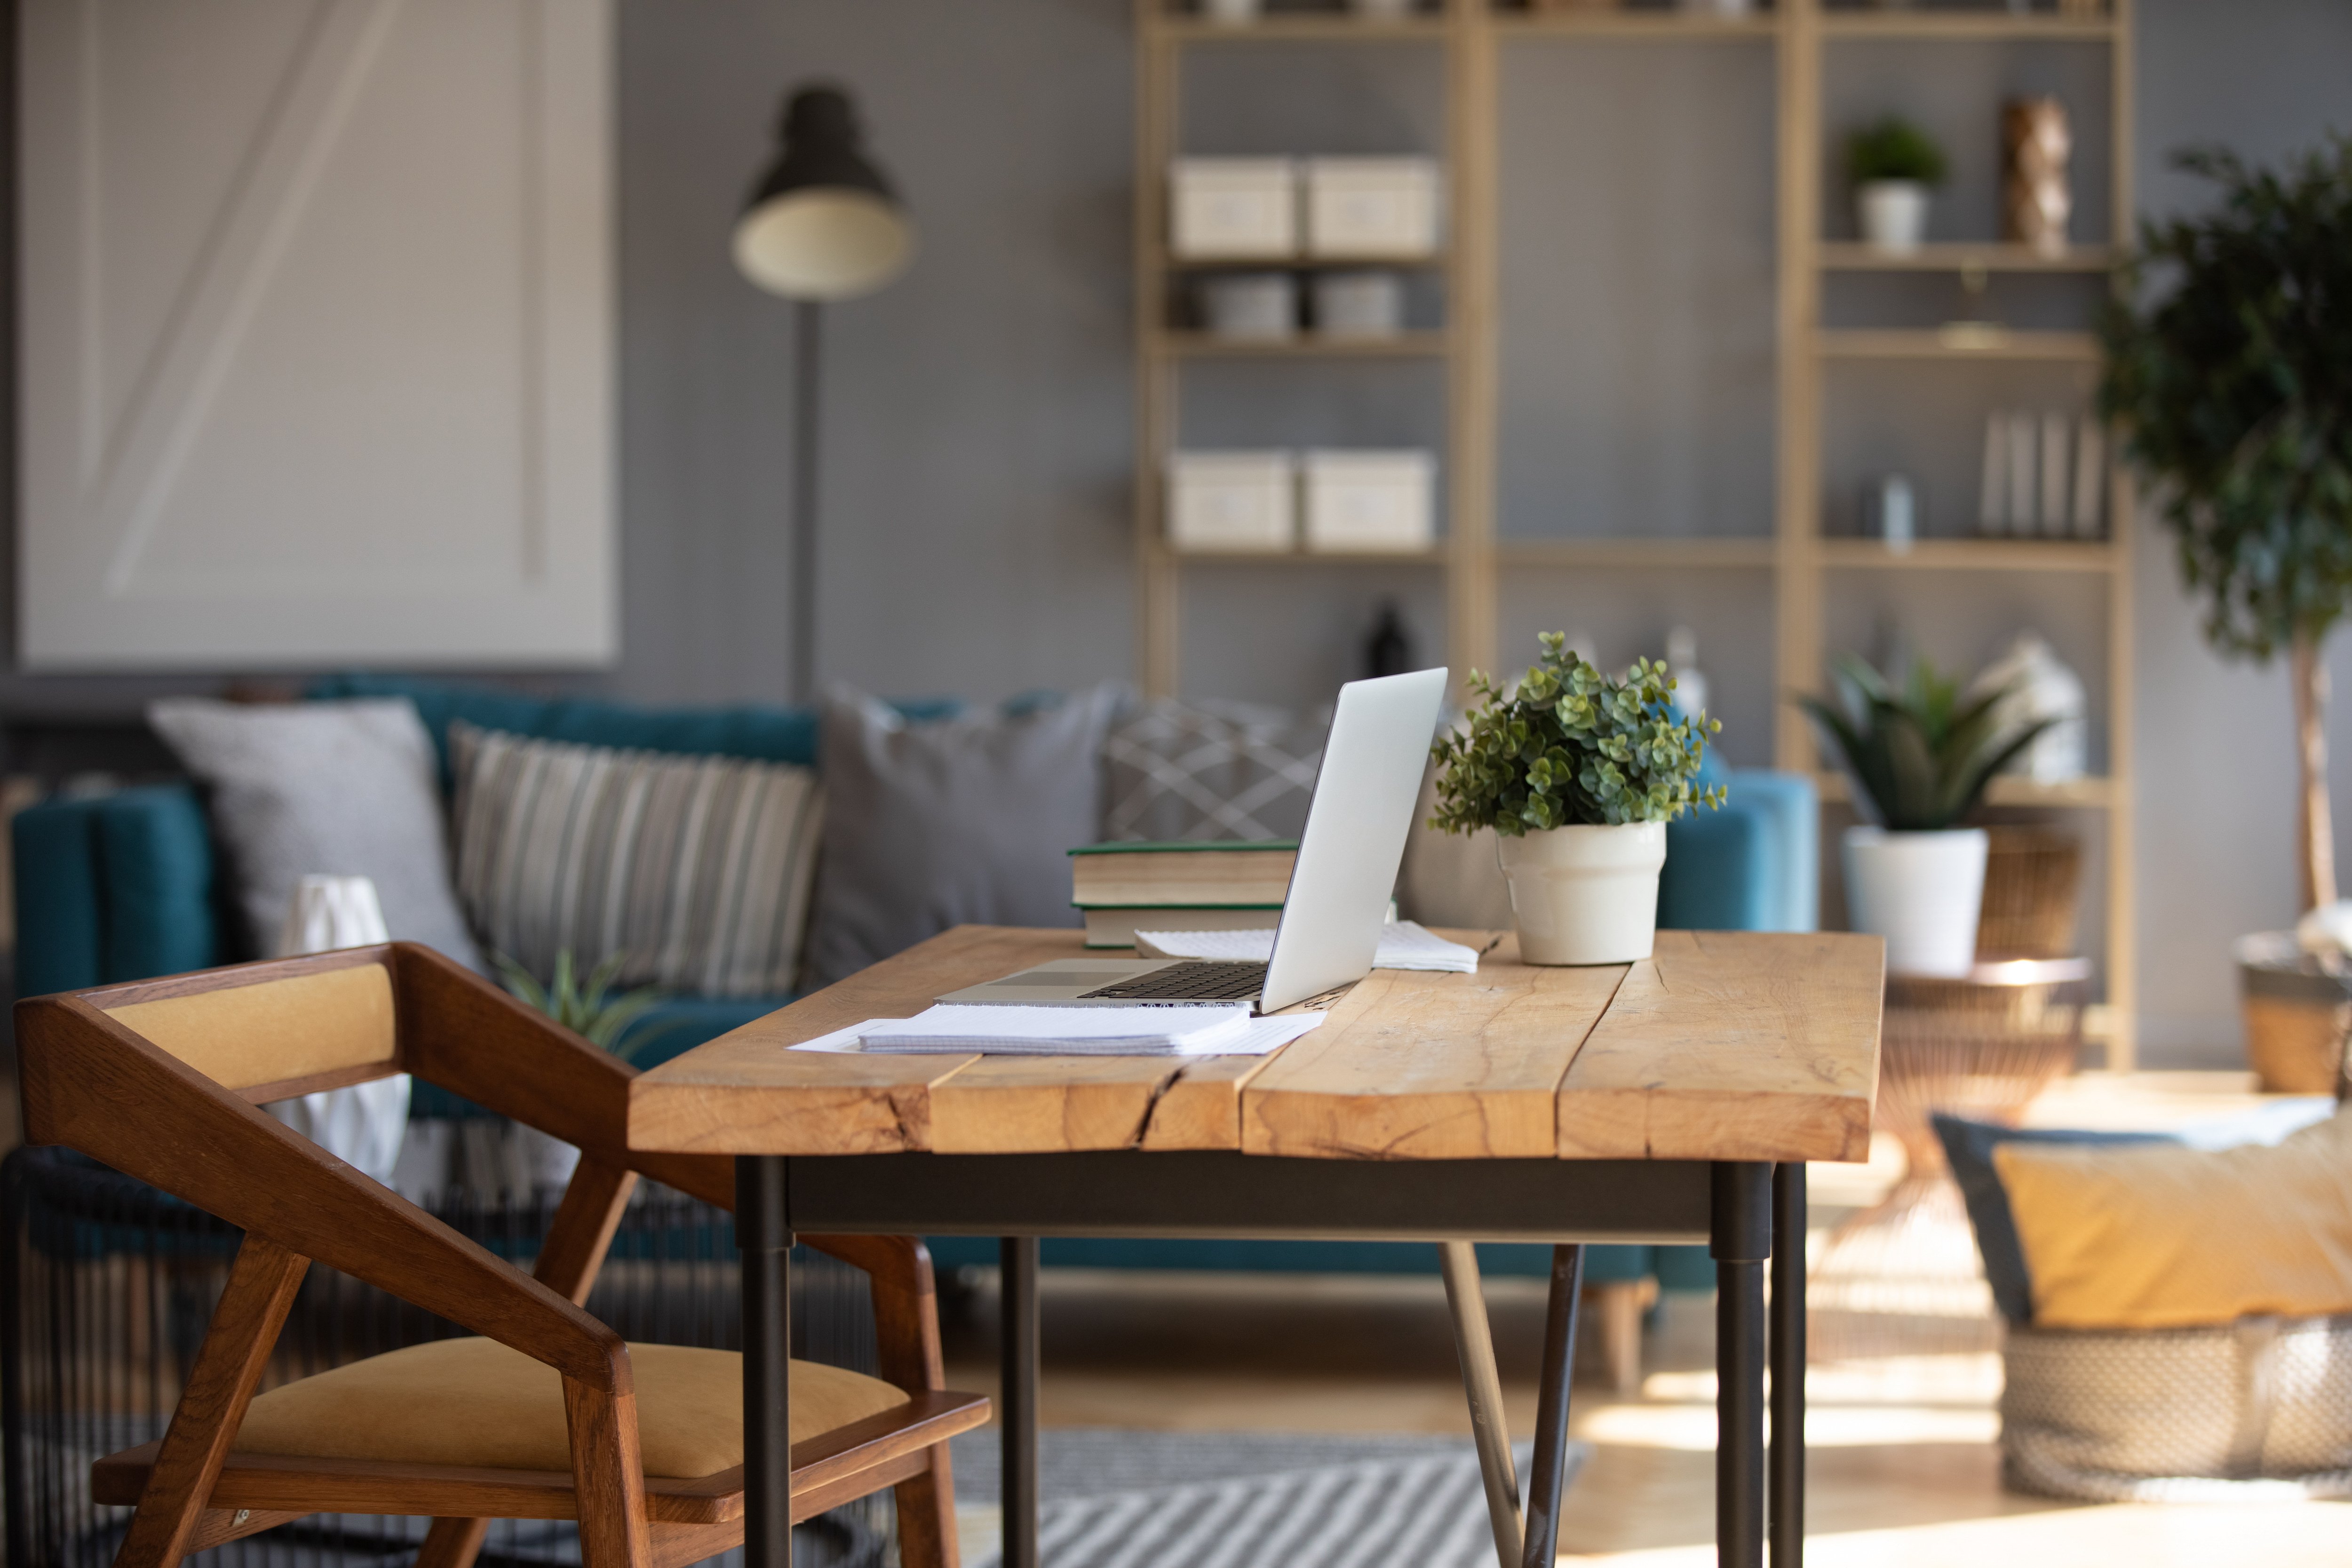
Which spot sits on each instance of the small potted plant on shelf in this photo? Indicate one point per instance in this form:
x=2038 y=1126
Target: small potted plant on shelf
x=1893 y=165
x=2231 y=385
x=1919 y=759
x=1578 y=773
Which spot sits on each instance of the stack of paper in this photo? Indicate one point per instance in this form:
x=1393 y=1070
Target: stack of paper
x=1404 y=945
x=1183 y=1030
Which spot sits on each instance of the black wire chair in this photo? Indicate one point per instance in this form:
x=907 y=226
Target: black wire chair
x=106 y=1287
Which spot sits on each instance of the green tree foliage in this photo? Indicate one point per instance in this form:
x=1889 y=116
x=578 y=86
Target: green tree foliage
x=2233 y=388
x=1921 y=757
x=1568 y=746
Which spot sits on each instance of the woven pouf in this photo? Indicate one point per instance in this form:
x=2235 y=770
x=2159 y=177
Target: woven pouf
x=2259 y=1409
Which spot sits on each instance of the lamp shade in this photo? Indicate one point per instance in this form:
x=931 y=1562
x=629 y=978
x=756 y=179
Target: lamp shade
x=823 y=223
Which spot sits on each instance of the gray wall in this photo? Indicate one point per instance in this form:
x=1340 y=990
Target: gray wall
x=978 y=440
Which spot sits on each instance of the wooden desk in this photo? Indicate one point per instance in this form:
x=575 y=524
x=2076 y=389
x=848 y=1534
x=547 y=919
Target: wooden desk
x=1672 y=1100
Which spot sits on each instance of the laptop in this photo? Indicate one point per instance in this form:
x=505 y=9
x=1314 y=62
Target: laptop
x=1357 y=824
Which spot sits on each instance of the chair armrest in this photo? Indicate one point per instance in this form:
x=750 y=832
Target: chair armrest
x=92 y=1084
x=465 y=1035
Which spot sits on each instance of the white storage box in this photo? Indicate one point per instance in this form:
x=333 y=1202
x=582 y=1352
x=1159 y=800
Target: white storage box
x=1229 y=208
x=1232 y=501
x=1371 y=500
x=1372 y=206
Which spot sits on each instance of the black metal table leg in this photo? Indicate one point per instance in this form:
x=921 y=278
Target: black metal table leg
x=1017 y=1401
x=1544 y=1486
x=1740 y=1242
x=1787 y=1481
x=764 y=1236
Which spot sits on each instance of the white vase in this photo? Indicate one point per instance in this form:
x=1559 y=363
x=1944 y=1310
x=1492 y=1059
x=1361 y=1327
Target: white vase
x=1585 y=895
x=1921 y=891
x=1893 y=214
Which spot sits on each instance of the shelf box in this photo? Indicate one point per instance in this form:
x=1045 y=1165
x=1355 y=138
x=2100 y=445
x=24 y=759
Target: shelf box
x=1372 y=206
x=1231 y=209
x=1362 y=502
x=1233 y=501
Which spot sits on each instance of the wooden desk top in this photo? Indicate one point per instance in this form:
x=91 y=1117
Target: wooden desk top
x=1723 y=1046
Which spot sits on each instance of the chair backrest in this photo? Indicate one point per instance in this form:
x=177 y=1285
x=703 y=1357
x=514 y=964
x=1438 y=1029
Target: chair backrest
x=267 y=1037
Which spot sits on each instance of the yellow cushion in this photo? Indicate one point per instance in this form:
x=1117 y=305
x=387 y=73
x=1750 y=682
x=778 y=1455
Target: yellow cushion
x=2155 y=1236
x=475 y=1402
x=276 y=1030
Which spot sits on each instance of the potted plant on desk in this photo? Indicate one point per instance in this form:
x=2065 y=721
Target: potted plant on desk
x=1578 y=773
x=1919 y=759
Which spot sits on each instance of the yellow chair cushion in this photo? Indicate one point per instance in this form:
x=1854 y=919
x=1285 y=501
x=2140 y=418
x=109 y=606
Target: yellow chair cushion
x=278 y=1030
x=477 y=1403
x=2155 y=1236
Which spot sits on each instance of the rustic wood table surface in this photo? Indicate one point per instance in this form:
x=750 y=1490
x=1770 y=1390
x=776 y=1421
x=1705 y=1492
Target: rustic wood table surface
x=1676 y=1099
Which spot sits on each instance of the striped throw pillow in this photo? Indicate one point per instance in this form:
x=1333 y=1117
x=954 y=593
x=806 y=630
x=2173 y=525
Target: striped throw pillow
x=698 y=869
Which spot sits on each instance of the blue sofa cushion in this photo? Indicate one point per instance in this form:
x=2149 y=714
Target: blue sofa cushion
x=761 y=734
x=113 y=887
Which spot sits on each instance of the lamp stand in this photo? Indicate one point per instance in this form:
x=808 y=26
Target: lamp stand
x=807 y=359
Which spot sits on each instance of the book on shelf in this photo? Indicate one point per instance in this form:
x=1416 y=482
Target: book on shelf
x=1252 y=873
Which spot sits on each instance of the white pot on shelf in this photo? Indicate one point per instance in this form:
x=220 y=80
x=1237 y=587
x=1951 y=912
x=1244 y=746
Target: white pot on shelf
x=1585 y=895
x=1894 y=215
x=1922 y=892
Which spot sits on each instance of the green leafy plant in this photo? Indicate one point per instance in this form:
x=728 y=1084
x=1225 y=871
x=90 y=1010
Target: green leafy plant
x=585 y=1006
x=1894 y=149
x=1568 y=746
x=2229 y=374
x=1920 y=757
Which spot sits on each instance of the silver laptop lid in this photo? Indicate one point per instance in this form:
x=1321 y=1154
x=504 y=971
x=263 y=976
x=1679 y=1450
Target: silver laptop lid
x=1356 y=830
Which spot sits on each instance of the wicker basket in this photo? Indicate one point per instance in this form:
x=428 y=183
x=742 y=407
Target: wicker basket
x=2033 y=878
x=2297 y=1013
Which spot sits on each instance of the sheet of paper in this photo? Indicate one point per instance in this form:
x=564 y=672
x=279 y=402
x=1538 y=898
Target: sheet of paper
x=1093 y=1031
x=1404 y=945
x=1256 y=1037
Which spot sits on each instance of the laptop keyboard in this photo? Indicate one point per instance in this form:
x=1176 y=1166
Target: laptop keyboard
x=1205 y=981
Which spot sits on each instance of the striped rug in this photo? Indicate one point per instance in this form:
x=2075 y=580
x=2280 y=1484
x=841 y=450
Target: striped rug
x=1246 y=1500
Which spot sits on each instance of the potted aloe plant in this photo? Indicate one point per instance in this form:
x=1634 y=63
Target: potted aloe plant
x=1893 y=165
x=1919 y=759
x=1578 y=772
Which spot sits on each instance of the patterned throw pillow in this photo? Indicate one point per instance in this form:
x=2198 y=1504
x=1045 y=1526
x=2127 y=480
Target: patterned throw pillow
x=1182 y=771
x=697 y=868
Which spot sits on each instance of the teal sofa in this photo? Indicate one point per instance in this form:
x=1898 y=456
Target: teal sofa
x=125 y=886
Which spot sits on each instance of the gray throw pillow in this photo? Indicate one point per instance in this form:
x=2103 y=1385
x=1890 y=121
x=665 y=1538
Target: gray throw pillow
x=1210 y=771
x=938 y=825
x=347 y=788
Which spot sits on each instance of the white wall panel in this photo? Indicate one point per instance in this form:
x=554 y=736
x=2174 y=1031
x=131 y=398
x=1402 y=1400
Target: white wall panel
x=317 y=333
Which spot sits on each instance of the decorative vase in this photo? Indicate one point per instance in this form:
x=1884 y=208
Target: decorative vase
x=1922 y=892
x=1585 y=895
x=1894 y=215
x=2037 y=193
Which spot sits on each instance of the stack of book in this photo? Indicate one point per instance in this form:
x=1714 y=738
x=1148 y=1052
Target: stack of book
x=1178 y=887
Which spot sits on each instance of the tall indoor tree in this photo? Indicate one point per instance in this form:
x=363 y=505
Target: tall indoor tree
x=2229 y=375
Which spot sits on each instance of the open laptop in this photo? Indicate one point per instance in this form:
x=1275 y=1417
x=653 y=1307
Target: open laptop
x=1357 y=824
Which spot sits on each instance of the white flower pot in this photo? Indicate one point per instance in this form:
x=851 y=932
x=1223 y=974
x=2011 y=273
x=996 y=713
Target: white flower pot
x=1893 y=214
x=1585 y=895
x=1921 y=891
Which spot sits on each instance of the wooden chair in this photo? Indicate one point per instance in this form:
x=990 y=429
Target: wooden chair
x=548 y=1415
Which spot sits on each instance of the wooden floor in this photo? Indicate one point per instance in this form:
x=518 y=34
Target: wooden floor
x=1904 y=1469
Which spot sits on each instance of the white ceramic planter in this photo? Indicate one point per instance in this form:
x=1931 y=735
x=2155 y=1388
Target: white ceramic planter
x=1921 y=891
x=1585 y=895
x=1894 y=215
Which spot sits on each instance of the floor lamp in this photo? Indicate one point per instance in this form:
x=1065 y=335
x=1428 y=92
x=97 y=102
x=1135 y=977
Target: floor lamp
x=823 y=224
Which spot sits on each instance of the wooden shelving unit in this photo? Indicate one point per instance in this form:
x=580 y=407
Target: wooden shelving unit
x=1805 y=570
